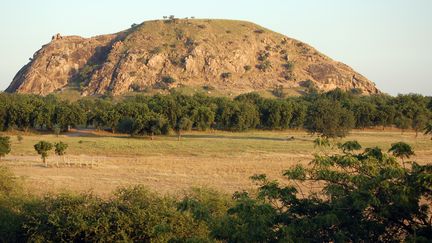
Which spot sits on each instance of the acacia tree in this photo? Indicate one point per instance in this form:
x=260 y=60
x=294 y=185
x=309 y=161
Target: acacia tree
x=364 y=197
x=42 y=148
x=5 y=146
x=350 y=146
x=401 y=150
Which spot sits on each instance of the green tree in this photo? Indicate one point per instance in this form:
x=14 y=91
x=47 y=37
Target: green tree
x=419 y=122
x=60 y=149
x=152 y=124
x=298 y=113
x=125 y=125
x=42 y=148
x=403 y=123
x=5 y=146
x=68 y=115
x=203 y=118
x=183 y=124
x=365 y=197
x=365 y=114
x=329 y=119
x=428 y=128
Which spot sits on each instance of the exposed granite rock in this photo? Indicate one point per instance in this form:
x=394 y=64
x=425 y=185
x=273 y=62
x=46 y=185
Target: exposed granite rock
x=229 y=55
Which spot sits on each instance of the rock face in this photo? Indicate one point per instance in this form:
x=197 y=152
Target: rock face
x=227 y=55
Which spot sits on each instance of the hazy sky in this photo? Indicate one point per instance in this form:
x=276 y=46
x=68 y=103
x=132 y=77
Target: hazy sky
x=388 y=41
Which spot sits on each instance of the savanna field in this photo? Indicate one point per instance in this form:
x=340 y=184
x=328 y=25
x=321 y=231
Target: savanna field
x=216 y=130
x=101 y=161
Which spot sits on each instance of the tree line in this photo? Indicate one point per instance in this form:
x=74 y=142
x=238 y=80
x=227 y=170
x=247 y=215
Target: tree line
x=331 y=114
x=355 y=195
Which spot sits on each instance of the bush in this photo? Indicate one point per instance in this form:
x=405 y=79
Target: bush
x=168 y=80
x=263 y=55
x=125 y=125
x=247 y=68
x=190 y=42
x=132 y=215
x=264 y=66
x=278 y=91
x=209 y=87
x=226 y=75
x=180 y=34
x=289 y=66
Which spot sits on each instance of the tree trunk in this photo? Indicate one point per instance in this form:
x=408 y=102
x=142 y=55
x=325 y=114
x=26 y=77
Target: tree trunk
x=45 y=162
x=178 y=135
x=151 y=136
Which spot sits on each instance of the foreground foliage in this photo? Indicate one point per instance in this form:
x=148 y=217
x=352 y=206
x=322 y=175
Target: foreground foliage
x=353 y=196
x=365 y=196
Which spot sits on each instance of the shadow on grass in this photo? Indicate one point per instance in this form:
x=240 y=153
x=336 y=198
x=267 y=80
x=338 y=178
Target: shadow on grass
x=92 y=133
x=208 y=136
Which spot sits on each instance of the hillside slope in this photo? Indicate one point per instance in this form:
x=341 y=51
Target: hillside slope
x=225 y=55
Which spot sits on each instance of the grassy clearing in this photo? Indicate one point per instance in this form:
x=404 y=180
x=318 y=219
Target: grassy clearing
x=221 y=160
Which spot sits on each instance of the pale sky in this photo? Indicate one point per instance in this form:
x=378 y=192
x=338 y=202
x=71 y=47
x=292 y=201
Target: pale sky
x=388 y=41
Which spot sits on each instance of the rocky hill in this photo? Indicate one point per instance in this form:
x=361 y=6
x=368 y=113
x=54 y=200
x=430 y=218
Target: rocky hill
x=225 y=55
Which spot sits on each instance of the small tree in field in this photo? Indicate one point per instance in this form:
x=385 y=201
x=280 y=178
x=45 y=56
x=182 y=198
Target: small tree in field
x=42 y=148
x=182 y=124
x=5 y=146
x=20 y=138
x=60 y=149
x=56 y=129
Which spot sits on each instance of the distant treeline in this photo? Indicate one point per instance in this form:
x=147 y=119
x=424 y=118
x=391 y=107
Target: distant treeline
x=331 y=114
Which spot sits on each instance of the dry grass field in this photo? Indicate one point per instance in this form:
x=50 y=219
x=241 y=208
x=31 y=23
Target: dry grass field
x=101 y=162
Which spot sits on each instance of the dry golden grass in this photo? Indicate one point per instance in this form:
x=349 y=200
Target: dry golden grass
x=220 y=160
